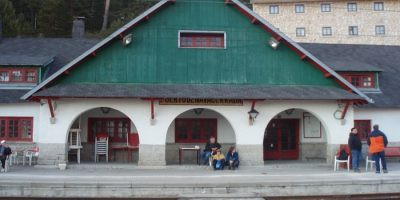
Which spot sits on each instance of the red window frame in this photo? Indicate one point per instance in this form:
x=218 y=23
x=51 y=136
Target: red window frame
x=202 y=136
x=357 y=79
x=103 y=122
x=363 y=127
x=24 y=75
x=191 y=40
x=18 y=122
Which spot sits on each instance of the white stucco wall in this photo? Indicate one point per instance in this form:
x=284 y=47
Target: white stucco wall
x=29 y=109
x=139 y=112
x=387 y=119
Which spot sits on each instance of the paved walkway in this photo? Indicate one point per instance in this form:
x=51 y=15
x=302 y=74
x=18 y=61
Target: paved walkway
x=282 y=179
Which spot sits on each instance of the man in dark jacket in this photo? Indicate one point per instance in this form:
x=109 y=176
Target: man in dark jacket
x=377 y=142
x=210 y=147
x=5 y=151
x=355 y=147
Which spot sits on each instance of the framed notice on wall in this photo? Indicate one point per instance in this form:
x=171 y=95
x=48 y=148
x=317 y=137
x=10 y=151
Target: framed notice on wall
x=311 y=126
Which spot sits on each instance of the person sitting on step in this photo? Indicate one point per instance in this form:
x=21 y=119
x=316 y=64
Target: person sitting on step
x=210 y=149
x=218 y=160
x=232 y=158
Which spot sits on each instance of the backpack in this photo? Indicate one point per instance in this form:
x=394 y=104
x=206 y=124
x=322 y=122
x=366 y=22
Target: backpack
x=343 y=155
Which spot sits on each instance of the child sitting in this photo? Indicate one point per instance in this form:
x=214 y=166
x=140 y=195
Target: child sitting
x=218 y=160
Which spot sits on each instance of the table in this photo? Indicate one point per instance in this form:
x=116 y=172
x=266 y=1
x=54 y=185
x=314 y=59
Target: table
x=128 y=149
x=182 y=149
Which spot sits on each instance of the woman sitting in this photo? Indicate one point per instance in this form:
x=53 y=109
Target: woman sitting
x=232 y=158
x=218 y=160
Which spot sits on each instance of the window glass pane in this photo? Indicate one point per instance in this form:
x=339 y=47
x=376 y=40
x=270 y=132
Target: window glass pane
x=380 y=30
x=17 y=75
x=355 y=81
x=352 y=7
x=353 y=30
x=26 y=132
x=202 y=40
x=123 y=129
x=110 y=128
x=300 y=32
x=326 y=7
x=299 y=8
x=196 y=130
x=4 y=76
x=209 y=129
x=13 y=128
x=30 y=76
x=2 y=128
x=326 y=31
x=182 y=129
x=378 y=6
x=367 y=82
x=274 y=9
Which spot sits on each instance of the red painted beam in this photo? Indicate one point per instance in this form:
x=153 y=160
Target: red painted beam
x=304 y=56
x=50 y=107
x=254 y=21
x=346 y=108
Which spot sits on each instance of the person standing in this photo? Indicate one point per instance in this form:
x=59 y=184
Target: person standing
x=5 y=151
x=210 y=150
x=377 y=142
x=355 y=146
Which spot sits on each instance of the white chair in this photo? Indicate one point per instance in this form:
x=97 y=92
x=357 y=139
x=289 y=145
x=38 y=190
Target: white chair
x=101 y=148
x=369 y=163
x=337 y=163
x=74 y=142
x=31 y=154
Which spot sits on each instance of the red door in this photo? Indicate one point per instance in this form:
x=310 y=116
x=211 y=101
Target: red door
x=281 y=140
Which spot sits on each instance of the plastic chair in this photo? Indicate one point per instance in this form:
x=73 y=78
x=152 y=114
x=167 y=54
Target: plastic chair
x=101 y=147
x=31 y=154
x=369 y=162
x=338 y=162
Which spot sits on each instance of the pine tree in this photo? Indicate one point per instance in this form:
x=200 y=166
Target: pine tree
x=55 y=19
x=8 y=18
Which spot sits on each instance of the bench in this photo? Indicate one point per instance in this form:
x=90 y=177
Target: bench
x=390 y=152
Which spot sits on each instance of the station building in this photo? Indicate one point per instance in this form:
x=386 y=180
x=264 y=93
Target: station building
x=176 y=75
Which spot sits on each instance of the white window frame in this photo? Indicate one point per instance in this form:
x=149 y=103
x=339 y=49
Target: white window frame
x=327 y=28
x=380 y=33
x=270 y=9
x=355 y=6
x=197 y=31
x=381 y=8
x=301 y=28
x=326 y=4
x=300 y=6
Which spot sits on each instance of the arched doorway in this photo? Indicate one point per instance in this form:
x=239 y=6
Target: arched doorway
x=295 y=134
x=193 y=128
x=121 y=133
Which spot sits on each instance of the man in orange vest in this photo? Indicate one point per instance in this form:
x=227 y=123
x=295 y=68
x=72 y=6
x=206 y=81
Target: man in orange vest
x=377 y=142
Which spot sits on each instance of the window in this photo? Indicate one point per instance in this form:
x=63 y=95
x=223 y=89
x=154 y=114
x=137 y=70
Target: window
x=201 y=39
x=361 y=80
x=18 y=75
x=300 y=32
x=116 y=128
x=195 y=130
x=273 y=9
x=16 y=128
x=326 y=7
x=363 y=127
x=326 y=31
x=352 y=7
x=299 y=8
x=353 y=30
x=380 y=30
x=378 y=6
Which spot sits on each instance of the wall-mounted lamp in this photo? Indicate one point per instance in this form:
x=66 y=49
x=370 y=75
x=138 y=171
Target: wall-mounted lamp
x=274 y=43
x=198 y=111
x=253 y=113
x=127 y=39
x=105 y=110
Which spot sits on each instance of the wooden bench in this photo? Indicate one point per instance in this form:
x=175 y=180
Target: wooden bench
x=390 y=152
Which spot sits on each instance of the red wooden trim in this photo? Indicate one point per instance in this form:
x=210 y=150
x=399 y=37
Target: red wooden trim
x=208 y=36
x=345 y=109
x=349 y=76
x=327 y=75
x=6 y=137
x=189 y=122
x=228 y=2
x=357 y=126
x=254 y=21
x=304 y=56
x=50 y=107
x=24 y=74
x=94 y=54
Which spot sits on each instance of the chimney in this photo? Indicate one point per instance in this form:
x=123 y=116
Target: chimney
x=78 y=27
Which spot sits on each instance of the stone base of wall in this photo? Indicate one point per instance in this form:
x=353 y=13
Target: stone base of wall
x=313 y=152
x=251 y=155
x=331 y=150
x=188 y=157
x=51 y=153
x=151 y=155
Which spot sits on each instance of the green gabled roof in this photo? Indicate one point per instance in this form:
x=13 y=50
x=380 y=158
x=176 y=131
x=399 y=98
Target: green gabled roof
x=154 y=56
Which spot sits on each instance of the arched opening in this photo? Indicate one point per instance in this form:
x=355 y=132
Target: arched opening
x=295 y=134
x=192 y=129
x=107 y=125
